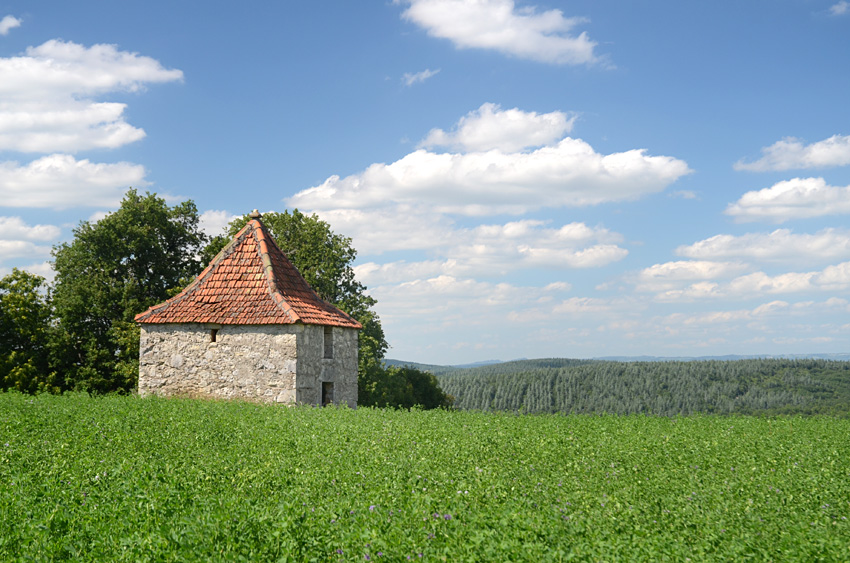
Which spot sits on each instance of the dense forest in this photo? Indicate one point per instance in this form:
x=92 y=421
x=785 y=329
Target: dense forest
x=754 y=386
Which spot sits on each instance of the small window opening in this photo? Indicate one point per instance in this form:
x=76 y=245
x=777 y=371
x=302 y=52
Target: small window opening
x=213 y=334
x=329 y=342
x=327 y=393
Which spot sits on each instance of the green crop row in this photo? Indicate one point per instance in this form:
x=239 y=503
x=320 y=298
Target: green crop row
x=129 y=479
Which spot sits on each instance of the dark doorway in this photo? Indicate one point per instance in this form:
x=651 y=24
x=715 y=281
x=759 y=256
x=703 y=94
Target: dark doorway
x=327 y=393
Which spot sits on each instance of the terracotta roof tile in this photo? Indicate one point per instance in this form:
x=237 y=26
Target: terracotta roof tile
x=251 y=281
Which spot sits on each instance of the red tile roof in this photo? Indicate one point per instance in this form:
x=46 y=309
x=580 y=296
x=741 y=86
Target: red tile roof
x=250 y=282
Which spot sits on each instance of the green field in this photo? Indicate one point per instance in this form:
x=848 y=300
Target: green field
x=129 y=479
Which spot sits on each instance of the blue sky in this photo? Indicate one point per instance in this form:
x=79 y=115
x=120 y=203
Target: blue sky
x=520 y=179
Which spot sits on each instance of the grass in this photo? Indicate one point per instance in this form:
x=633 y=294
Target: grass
x=129 y=479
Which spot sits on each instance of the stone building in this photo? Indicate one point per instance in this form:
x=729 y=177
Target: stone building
x=250 y=327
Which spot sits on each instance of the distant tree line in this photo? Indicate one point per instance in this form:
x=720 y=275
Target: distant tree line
x=78 y=333
x=756 y=386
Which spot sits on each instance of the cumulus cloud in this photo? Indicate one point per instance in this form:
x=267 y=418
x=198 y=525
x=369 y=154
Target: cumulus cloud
x=722 y=317
x=414 y=204
x=790 y=153
x=411 y=78
x=832 y=278
x=500 y=25
x=8 y=23
x=59 y=69
x=669 y=275
x=16 y=228
x=840 y=8
x=22 y=248
x=495 y=250
x=781 y=245
x=798 y=198
x=47 y=96
x=391 y=227
x=213 y=222
x=446 y=299
x=43 y=269
x=759 y=282
x=60 y=181
x=569 y=173
x=489 y=127
x=68 y=127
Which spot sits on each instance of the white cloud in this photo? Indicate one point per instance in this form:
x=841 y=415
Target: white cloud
x=495 y=250
x=411 y=78
x=392 y=227
x=834 y=277
x=489 y=127
x=724 y=317
x=831 y=278
x=63 y=69
x=46 y=96
x=72 y=126
x=791 y=153
x=582 y=305
x=15 y=228
x=8 y=23
x=569 y=173
x=97 y=216
x=797 y=198
x=213 y=222
x=22 y=248
x=840 y=8
x=760 y=283
x=60 y=181
x=669 y=275
x=780 y=245
x=501 y=26
x=43 y=269
x=446 y=300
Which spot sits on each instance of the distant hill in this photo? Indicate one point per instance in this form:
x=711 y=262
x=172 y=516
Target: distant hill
x=518 y=365
x=728 y=357
x=431 y=368
x=503 y=367
x=666 y=387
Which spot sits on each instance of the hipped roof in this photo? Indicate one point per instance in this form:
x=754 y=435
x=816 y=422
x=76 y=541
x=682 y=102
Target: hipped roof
x=250 y=282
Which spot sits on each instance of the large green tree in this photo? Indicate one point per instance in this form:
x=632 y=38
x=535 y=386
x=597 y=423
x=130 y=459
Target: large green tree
x=113 y=269
x=26 y=334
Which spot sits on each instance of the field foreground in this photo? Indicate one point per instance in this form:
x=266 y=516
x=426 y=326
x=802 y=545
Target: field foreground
x=129 y=479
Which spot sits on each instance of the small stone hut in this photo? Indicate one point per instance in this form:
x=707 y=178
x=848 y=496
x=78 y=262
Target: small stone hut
x=249 y=327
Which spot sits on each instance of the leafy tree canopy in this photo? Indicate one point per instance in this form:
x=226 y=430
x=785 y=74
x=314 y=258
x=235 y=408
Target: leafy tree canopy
x=113 y=269
x=25 y=333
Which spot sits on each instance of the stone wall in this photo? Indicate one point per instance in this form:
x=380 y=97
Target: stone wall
x=269 y=363
x=314 y=368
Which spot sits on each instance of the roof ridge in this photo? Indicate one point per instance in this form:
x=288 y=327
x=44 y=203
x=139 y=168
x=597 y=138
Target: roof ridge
x=260 y=233
x=231 y=289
